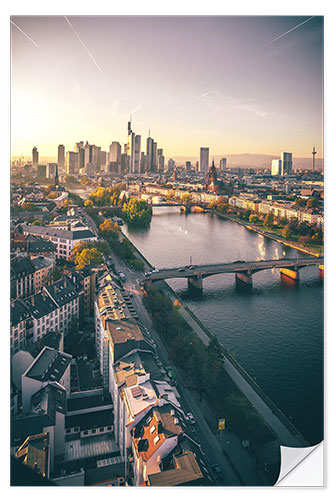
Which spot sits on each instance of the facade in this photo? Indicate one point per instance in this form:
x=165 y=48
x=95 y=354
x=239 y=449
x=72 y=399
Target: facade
x=286 y=163
x=51 y=170
x=72 y=162
x=223 y=164
x=61 y=157
x=115 y=153
x=22 y=278
x=42 y=267
x=276 y=167
x=35 y=157
x=63 y=239
x=204 y=160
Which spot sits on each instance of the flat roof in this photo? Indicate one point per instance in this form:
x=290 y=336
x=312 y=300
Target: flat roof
x=122 y=330
x=89 y=402
x=90 y=420
x=90 y=447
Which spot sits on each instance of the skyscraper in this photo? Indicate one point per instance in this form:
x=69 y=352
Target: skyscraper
x=61 y=157
x=223 y=164
x=276 y=167
x=115 y=152
x=35 y=158
x=72 y=162
x=286 y=163
x=149 y=151
x=204 y=160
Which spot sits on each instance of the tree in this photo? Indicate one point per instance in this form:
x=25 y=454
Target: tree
x=301 y=202
x=88 y=257
x=109 y=229
x=36 y=222
x=137 y=212
x=312 y=203
x=54 y=274
x=186 y=198
x=269 y=220
x=88 y=203
x=28 y=207
x=287 y=232
x=253 y=219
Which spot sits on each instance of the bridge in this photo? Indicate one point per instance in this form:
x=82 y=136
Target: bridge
x=243 y=270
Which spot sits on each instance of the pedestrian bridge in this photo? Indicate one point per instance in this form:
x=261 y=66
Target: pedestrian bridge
x=243 y=270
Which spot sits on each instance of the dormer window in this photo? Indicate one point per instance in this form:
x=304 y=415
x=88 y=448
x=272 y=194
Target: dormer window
x=152 y=429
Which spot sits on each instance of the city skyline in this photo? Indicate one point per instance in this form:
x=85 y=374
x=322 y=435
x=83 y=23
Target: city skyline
x=234 y=84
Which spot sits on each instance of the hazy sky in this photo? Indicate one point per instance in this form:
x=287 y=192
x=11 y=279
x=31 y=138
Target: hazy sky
x=234 y=84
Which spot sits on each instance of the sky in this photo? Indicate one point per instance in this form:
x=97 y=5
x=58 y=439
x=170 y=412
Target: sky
x=235 y=84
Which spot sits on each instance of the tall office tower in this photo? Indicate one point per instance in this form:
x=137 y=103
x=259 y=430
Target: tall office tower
x=78 y=146
x=51 y=170
x=96 y=157
x=154 y=156
x=171 y=164
x=124 y=163
x=188 y=165
x=82 y=155
x=150 y=154
x=103 y=155
x=204 y=160
x=35 y=156
x=286 y=163
x=143 y=161
x=137 y=153
x=276 y=167
x=314 y=152
x=115 y=152
x=72 y=162
x=129 y=137
x=197 y=166
x=125 y=149
x=223 y=164
x=61 y=157
x=160 y=163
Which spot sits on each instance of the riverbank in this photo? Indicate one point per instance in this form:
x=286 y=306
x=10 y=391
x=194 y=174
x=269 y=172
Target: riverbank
x=281 y=425
x=277 y=238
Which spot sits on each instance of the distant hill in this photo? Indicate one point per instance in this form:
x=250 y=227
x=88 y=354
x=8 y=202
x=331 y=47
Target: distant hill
x=247 y=160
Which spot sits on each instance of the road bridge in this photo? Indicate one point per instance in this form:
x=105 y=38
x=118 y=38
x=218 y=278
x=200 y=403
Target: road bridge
x=243 y=270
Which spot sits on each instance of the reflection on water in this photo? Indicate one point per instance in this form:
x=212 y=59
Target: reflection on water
x=274 y=328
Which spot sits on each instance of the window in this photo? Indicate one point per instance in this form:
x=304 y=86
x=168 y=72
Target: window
x=93 y=431
x=108 y=428
x=85 y=433
x=76 y=429
x=156 y=439
x=152 y=429
x=101 y=429
x=68 y=431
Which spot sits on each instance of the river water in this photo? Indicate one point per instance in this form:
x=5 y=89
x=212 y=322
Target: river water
x=275 y=330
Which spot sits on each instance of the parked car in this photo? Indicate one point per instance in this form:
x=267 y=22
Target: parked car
x=181 y=269
x=191 y=418
x=192 y=267
x=217 y=470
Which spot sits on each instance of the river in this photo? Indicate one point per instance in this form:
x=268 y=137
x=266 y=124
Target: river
x=275 y=330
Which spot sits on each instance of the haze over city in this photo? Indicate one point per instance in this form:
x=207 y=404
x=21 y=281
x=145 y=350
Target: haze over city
x=233 y=84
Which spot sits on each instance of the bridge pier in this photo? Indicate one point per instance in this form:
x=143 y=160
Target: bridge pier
x=195 y=282
x=245 y=277
x=291 y=273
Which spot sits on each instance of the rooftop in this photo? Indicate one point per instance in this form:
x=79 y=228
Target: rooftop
x=123 y=330
x=40 y=305
x=59 y=233
x=185 y=470
x=62 y=291
x=89 y=402
x=88 y=447
x=21 y=266
x=49 y=365
x=90 y=420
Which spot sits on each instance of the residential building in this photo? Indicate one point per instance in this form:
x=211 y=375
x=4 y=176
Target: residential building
x=42 y=266
x=22 y=278
x=63 y=239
